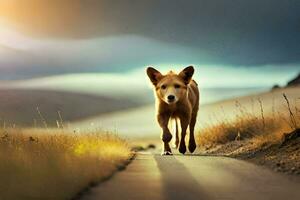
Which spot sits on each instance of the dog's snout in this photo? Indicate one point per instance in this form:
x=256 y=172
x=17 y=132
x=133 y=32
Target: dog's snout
x=171 y=97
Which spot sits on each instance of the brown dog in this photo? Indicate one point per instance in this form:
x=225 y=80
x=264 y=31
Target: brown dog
x=177 y=97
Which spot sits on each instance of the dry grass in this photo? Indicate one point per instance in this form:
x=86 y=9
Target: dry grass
x=55 y=164
x=260 y=128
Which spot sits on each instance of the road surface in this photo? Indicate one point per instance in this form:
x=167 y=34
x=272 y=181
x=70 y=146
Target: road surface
x=154 y=177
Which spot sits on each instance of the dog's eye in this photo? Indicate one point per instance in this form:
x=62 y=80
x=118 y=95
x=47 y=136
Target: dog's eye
x=163 y=87
x=177 y=86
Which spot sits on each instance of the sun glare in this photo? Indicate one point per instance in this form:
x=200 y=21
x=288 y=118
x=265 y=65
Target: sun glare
x=13 y=39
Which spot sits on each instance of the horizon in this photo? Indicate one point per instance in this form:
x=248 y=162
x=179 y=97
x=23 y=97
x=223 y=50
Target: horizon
x=216 y=83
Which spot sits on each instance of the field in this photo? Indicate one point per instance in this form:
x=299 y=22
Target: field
x=56 y=164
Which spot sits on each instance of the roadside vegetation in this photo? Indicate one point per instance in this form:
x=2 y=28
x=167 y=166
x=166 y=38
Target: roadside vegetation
x=260 y=127
x=274 y=137
x=56 y=163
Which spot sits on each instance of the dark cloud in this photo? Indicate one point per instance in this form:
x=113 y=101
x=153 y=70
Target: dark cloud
x=231 y=32
x=236 y=32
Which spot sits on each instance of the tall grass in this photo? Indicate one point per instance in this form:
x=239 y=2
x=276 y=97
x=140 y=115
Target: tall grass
x=260 y=127
x=55 y=164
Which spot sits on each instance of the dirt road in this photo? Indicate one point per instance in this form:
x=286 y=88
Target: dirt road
x=154 y=177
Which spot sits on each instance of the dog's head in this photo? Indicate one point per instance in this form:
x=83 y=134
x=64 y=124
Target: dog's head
x=171 y=87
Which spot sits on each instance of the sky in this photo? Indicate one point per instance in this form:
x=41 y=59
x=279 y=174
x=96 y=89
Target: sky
x=223 y=38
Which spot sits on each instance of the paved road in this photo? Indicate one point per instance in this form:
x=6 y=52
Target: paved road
x=153 y=177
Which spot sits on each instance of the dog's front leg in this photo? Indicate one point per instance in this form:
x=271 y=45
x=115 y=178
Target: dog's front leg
x=163 y=121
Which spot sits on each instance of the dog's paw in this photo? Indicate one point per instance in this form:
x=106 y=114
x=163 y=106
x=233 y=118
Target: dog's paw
x=166 y=153
x=182 y=148
x=192 y=146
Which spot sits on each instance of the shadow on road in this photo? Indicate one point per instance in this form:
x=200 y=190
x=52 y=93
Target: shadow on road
x=178 y=183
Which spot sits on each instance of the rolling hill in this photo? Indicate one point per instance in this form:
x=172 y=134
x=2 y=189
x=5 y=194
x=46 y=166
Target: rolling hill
x=19 y=107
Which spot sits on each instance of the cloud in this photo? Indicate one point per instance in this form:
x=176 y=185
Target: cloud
x=88 y=35
x=108 y=54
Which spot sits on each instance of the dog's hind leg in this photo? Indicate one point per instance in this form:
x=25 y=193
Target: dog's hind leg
x=192 y=142
x=184 y=122
x=177 y=134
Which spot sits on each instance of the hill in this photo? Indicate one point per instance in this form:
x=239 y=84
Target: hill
x=295 y=81
x=18 y=106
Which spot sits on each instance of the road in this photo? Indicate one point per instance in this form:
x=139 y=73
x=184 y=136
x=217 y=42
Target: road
x=154 y=177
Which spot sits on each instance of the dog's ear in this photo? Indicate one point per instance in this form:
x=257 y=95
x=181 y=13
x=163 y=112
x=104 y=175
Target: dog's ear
x=186 y=74
x=154 y=75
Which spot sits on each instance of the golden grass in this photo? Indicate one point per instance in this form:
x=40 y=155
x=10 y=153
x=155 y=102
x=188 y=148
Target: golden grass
x=55 y=164
x=260 y=128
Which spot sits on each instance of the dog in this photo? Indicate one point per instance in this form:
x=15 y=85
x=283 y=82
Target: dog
x=177 y=97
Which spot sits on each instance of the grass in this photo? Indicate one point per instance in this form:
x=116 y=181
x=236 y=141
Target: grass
x=55 y=164
x=259 y=128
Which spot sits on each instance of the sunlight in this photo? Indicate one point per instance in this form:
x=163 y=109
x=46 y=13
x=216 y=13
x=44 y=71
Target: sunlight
x=12 y=39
